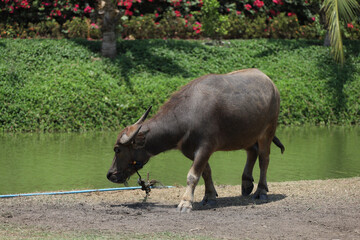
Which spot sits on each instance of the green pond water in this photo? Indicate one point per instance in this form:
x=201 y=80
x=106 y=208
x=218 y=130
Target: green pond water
x=68 y=161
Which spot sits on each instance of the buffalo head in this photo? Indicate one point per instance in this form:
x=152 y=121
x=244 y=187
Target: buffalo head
x=130 y=154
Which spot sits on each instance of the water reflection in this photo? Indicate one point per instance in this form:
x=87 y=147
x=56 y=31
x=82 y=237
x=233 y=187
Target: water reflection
x=66 y=161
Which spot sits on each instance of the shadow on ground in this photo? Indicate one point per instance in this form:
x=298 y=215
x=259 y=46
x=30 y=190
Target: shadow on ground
x=240 y=201
x=131 y=54
x=338 y=77
x=197 y=206
x=144 y=205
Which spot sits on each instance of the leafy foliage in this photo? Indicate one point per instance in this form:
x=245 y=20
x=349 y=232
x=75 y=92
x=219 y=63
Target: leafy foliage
x=214 y=24
x=64 y=85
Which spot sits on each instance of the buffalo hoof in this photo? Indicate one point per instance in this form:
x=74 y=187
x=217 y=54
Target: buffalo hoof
x=261 y=195
x=184 y=207
x=209 y=202
x=246 y=188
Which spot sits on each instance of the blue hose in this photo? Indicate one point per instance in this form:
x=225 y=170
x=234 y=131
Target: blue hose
x=73 y=192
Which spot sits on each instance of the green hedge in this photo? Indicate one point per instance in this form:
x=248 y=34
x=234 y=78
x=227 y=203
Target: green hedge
x=64 y=85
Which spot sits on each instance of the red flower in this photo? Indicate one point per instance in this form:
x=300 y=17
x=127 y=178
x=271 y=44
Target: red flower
x=128 y=12
x=177 y=13
x=290 y=14
x=278 y=2
x=258 y=3
x=176 y=3
x=197 y=27
x=88 y=9
x=350 y=25
x=94 y=25
x=238 y=12
x=128 y=4
x=248 y=7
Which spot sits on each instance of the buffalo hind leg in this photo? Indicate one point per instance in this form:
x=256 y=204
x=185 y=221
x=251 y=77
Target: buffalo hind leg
x=195 y=172
x=210 y=192
x=247 y=176
x=264 y=152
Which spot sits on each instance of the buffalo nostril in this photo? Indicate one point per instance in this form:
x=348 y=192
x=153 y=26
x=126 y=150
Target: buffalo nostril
x=108 y=175
x=112 y=176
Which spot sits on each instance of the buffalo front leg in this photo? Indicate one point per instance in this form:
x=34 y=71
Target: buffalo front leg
x=210 y=192
x=200 y=161
x=247 y=177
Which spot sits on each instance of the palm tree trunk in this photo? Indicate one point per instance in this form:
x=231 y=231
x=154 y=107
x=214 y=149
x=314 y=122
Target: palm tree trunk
x=111 y=16
x=323 y=21
x=327 y=42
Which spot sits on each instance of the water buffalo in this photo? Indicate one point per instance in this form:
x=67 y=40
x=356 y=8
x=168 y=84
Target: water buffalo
x=238 y=110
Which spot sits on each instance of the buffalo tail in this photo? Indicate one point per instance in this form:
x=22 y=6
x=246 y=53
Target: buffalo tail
x=279 y=144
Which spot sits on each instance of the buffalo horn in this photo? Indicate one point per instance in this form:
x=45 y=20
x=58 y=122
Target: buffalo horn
x=143 y=117
x=125 y=139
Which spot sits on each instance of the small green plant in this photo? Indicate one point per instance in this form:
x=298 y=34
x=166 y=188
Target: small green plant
x=172 y=26
x=214 y=24
x=312 y=30
x=237 y=25
x=283 y=26
x=143 y=27
x=76 y=28
x=256 y=28
x=48 y=29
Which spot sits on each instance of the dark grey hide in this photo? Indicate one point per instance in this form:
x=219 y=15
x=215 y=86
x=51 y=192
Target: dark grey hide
x=226 y=112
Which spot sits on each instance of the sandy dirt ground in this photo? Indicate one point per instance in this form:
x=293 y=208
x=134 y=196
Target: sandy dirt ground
x=321 y=209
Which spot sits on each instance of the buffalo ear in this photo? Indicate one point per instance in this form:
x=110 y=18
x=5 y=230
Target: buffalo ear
x=140 y=140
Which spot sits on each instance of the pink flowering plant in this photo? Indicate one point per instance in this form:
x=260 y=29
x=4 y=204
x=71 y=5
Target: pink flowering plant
x=26 y=11
x=165 y=19
x=352 y=30
x=305 y=10
x=63 y=10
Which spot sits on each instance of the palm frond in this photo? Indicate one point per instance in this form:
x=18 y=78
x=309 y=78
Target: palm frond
x=335 y=10
x=348 y=9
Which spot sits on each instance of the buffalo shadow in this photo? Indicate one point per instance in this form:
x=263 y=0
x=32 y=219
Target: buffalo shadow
x=144 y=205
x=238 y=201
x=221 y=202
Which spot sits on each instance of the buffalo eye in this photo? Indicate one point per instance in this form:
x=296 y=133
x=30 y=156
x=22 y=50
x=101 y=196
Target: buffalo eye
x=116 y=149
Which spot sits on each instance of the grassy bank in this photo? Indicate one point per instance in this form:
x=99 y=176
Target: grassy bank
x=64 y=85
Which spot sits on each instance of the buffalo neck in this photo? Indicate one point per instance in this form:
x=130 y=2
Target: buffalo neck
x=164 y=133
